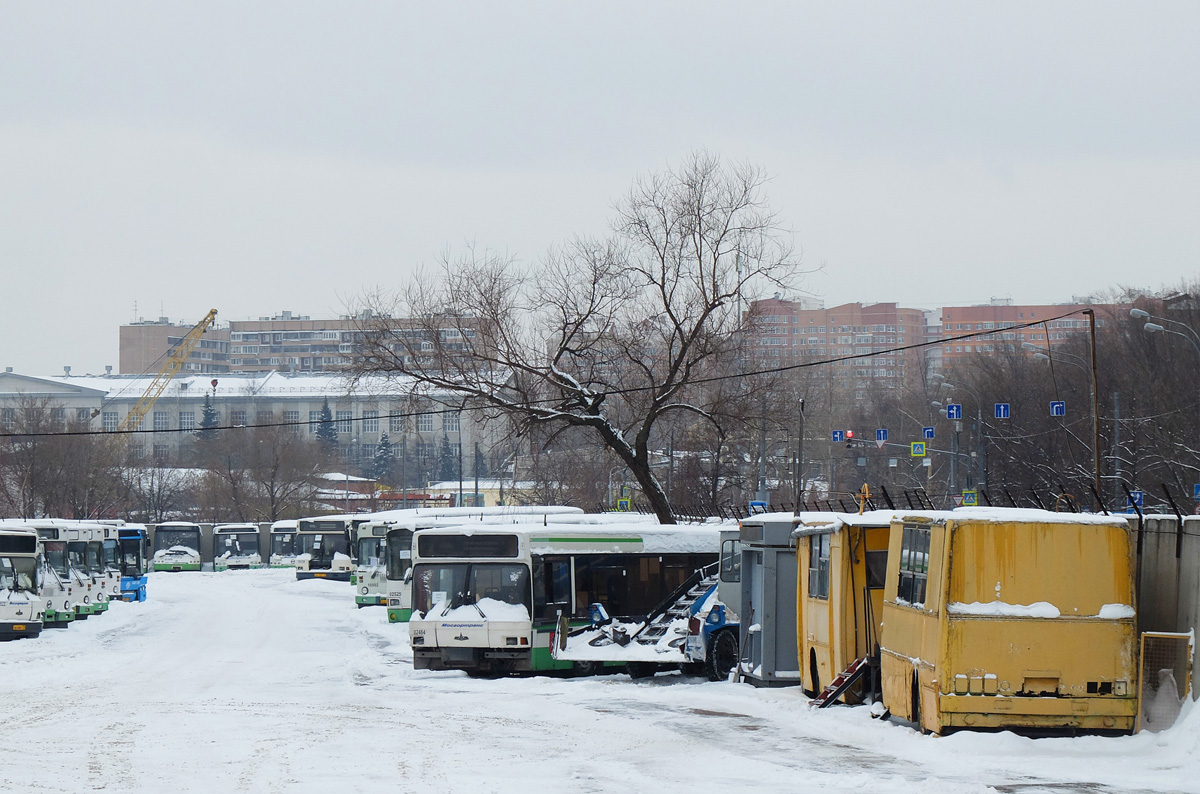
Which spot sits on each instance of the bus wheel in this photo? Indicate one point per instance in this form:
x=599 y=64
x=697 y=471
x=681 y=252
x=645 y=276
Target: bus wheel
x=722 y=655
x=638 y=670
x=588 y=668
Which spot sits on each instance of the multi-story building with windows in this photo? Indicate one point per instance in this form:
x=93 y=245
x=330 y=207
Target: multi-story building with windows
x=283 y=343
x=997 y=320
x=854 y=337
x=421 y=425
x=144 y=346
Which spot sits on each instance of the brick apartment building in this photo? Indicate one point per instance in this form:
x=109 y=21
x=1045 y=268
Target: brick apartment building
x=1000 y=316
x=790 y=332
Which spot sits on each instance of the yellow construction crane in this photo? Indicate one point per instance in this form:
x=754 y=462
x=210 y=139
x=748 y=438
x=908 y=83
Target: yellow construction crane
x=174 y=363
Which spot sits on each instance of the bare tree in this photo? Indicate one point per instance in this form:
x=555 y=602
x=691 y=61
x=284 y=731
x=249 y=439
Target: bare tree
x=45 y=471
x=610 y=334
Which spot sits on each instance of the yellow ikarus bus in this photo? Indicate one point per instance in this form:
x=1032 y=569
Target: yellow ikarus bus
x=1008 y=618
x=842 y=562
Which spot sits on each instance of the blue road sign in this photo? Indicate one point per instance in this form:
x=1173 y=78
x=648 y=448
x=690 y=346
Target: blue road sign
x=1137 y=497
x=970 y=498
x=954 y=411
x=1196 y=492
x=881 y=434
x=839 y=436
x=916 y=449
x=927 y=432
x=1058 y=408
x=1002 y=410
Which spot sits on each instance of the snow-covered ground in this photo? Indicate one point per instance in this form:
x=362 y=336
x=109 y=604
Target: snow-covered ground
x=252 y=681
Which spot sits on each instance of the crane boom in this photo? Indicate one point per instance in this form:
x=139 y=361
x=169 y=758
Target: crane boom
x=173 y=364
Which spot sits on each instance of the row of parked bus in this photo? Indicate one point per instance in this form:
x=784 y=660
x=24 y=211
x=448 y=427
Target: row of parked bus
x=976 y=617
x=54 y=571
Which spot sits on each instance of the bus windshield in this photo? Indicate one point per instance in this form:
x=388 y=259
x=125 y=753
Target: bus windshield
x=112 y=555
x=95 y=559
x=323 y=546
x=283 y=544
x=18 y=573
x=370 y=550
x=131 y=558
x=235 y=544
x=77 y=555
x=399 y=554
x=56 y=556
x=170 y=538
x=458 y=584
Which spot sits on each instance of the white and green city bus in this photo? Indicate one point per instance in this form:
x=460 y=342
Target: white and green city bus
x=283 y=544
x=369 y=580
x=176 y=546
x=58 y=584
x=84 y=552
x=235 y=546
x=22 y=608
x=323 y=547
x=111 y=558
x=487 y=599
x=400 y=532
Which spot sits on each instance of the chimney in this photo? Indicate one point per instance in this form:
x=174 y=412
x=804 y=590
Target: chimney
x=67 y=371
x=108 y=369
x=8 y=369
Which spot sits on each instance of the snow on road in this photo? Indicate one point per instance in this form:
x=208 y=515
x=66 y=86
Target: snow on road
x=252 y=681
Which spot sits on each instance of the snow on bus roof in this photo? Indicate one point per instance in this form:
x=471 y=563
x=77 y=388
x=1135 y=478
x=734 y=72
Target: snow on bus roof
x=1001 y=515
x=812 y=523
x=656 y=538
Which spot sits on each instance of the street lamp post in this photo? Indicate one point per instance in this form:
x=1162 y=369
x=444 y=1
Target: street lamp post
x=1158 y=328
x=978 y=462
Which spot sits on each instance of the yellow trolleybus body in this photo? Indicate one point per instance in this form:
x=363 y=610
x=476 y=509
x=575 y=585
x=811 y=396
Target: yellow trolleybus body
x=1006 y=618
x=842 y=560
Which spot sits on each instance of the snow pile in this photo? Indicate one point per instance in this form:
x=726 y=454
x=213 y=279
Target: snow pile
x=1038 y=609
x=1116 y=611
x=598 y=644
x=176 y=551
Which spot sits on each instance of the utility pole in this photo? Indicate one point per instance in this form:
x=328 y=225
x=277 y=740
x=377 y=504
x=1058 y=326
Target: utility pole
x=1116 y=447
x=798 y=474
x=1091 y=313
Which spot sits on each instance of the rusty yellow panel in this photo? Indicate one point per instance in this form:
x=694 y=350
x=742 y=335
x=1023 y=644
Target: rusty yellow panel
x=1024 y=563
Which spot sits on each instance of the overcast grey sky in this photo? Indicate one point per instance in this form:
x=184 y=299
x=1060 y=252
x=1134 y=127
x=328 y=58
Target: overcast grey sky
x=256 y=158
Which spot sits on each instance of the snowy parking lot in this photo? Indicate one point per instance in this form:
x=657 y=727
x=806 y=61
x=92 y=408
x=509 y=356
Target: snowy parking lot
x=252 y=681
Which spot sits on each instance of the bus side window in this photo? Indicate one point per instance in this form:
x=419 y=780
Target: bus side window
x=876 y=569
x=731 y=561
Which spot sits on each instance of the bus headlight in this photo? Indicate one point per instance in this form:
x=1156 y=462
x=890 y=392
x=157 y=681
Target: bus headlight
x=362 y=590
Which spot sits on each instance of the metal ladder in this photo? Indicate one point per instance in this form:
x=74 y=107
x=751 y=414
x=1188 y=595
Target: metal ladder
x=658 y=625
x=838 y=686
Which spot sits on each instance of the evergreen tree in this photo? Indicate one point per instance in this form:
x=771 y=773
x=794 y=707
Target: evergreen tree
x=381 y=471
x=448 y=464
x=208 y=420
x=326 y=430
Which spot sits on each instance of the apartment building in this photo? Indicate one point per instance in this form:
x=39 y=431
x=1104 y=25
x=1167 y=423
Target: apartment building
x=143 y=347
x=855 y=337
x=283 y=343
x=1055 y=324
